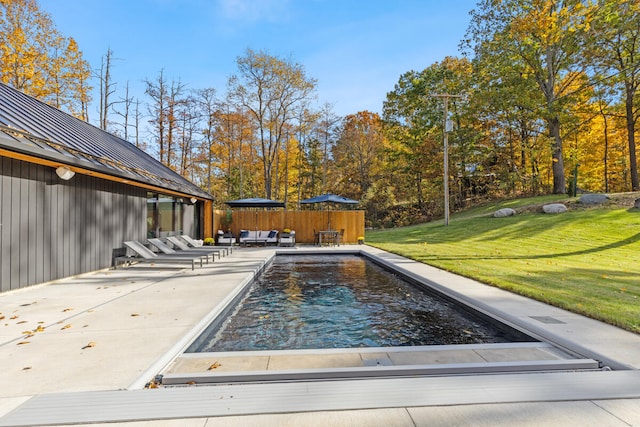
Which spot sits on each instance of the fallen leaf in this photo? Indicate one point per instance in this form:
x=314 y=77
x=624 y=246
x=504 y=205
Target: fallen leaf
x=214 y=366
x=67 y=326
x=1 y=317
x=40 y=328
x=14 y=317
x=134 y=314
x=67 y=309
x=21 y=322
x=26 y=368
x=91 y=344
x=24 y=342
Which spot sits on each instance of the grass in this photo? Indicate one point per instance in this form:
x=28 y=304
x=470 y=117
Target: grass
x=586 y=260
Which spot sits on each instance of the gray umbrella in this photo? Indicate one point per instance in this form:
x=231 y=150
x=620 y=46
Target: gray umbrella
x=329 y=198
x=255 y=202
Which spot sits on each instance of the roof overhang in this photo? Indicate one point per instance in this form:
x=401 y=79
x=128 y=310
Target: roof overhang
x=22 y=147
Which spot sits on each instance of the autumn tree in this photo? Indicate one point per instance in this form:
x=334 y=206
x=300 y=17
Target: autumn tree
x=231 y=134
x=614 y=47
x=543 y=39
x=37 y=60
x=414 y=120
x=359 y=153
x=269 y=88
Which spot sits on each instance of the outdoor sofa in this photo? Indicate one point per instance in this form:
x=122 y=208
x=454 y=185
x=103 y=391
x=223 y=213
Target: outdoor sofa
x=264 y=237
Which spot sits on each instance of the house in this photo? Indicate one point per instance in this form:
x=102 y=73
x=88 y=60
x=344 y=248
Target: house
x=71 y=194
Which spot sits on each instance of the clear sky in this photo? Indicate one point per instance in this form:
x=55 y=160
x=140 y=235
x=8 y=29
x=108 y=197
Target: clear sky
x=356 y=49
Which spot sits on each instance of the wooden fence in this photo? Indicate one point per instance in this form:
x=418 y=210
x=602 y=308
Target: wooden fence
x=303 y=222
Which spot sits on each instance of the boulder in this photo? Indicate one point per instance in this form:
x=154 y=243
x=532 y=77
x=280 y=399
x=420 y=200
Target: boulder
x=554 y=208
x=636 y=204
x=593 y=199
x=501 y=213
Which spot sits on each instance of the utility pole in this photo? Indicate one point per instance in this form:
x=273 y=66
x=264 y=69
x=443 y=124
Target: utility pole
x=445 y=131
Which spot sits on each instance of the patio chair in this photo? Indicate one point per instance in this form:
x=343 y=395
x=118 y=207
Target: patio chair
x=181 y=246
x=224 y=239
x=168 y=250
x=287 y=239
x=145 y=254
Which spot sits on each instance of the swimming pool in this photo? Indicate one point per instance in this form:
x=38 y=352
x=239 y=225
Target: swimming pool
x=344 y=301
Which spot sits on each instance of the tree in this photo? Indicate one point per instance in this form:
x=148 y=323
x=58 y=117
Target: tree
x=107 y=88
x=164 y=109
x=125 y=113
x=359 y=152
x=37 y=60
x=413 y=123
x=615 y=48
x=269 y=88
x=543 y=38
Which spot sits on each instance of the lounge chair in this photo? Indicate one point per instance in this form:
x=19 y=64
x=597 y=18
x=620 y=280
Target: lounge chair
x=168 y=250
x=196 y=243
x=145 y=254
x=287 y=239
x=182 y=246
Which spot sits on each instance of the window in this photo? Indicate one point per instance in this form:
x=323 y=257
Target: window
x=164 y=215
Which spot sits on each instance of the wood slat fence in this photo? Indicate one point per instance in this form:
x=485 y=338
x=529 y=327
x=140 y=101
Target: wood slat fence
x=303 y=222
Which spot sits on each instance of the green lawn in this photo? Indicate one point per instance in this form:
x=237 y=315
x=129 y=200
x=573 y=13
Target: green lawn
x=586 y=260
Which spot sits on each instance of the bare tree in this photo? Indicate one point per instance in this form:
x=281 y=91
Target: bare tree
x=107 y=88
x=126 y=103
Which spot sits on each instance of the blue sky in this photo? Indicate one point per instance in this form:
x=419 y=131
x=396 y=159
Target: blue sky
x=356 y=50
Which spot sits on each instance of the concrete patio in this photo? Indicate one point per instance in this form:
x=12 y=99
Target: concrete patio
x=96 y=340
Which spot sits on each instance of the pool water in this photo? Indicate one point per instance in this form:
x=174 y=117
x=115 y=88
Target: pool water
x=345 y=301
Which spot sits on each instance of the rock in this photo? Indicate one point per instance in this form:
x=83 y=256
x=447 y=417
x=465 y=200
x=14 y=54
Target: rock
x=593 y=199
x=554 y=208
x=636 y=204
x=501 y=213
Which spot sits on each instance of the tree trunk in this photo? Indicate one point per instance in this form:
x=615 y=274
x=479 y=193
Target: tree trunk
x=559 y=184
x=631 y=130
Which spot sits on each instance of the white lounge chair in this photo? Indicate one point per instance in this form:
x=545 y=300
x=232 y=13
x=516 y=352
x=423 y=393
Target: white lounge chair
x=145 y=254
x=166 y=249
x=182 y=245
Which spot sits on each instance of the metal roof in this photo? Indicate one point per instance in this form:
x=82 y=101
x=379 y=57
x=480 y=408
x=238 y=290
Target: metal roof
x=29 y=126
